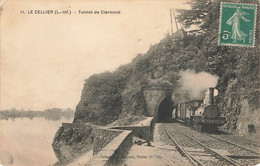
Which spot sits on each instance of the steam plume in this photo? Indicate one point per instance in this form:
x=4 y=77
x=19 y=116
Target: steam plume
x=196 y=83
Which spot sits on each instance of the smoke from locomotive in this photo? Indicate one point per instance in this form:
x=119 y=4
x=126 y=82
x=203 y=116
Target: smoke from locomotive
x=196 y=83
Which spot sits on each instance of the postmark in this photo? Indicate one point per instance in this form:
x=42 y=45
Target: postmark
x=237 y=24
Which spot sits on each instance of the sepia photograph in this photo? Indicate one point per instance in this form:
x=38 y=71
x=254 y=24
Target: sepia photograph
x=129 y=83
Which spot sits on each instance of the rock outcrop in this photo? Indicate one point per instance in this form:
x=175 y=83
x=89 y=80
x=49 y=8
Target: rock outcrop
x=71 y=142
x=240 y=115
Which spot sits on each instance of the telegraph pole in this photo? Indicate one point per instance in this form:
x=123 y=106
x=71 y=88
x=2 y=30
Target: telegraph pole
x=171 y=20
x=175 y=19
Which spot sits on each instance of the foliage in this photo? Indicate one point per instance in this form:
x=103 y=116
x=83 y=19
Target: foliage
x=102 y=94
x=200 y=15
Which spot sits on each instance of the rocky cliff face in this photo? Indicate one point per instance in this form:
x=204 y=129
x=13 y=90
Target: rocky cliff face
x=241 y=116
x=71 y=142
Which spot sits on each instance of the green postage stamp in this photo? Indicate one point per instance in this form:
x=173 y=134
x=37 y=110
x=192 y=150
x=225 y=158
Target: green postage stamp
x=237 y=24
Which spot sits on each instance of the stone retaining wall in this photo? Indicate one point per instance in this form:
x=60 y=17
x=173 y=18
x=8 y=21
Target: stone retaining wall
x=143 y=130
x=138 y=131
x=102 y=137
x=115 y=152
x=112 y=144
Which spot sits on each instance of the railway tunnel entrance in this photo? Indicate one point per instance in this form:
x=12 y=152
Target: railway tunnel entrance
x=165 y=110
x=158 y=101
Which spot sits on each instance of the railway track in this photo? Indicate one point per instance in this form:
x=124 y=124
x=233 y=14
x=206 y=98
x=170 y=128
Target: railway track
x=200 y=154
x=247 y=155
x=193 y=160
x=229 y=142
x=230 y=145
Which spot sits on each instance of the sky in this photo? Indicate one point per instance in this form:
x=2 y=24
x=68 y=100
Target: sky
x=45 y=58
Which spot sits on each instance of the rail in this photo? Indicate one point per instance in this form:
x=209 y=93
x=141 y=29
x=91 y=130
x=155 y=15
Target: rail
x=228 y=159
x=183 y=151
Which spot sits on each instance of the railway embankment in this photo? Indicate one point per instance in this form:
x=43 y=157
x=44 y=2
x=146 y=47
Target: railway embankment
x=111 y=144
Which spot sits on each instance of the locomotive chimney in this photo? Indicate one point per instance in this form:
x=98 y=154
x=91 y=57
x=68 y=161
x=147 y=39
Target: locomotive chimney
x=211 y=96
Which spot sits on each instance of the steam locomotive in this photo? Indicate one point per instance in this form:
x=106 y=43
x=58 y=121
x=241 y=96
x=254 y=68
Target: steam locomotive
x=200 y=116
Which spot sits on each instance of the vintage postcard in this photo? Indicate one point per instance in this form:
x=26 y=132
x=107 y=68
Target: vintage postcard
x=129 y=82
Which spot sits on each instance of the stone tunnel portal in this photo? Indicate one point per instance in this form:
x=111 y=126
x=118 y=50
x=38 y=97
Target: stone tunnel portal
x=165 y=110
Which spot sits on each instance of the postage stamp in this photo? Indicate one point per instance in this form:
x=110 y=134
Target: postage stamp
x=237 y=24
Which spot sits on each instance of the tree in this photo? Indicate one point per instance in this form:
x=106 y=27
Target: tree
x=199 y=17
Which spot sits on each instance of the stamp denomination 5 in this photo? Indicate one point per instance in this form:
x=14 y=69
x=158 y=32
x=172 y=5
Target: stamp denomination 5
x=237 y=24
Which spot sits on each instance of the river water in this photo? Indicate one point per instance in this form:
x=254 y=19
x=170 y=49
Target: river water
x=27 y=142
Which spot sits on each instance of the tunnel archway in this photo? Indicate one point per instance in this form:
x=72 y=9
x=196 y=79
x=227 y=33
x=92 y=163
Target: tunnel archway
x=165 y=110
